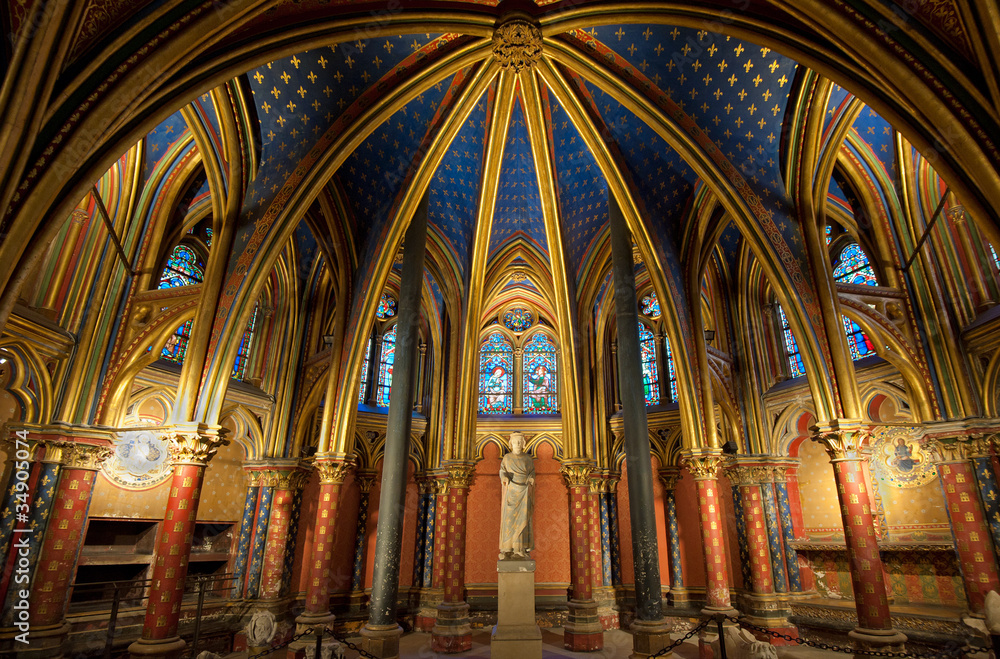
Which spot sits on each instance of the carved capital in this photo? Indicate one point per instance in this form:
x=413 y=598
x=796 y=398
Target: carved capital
x=73 y=455
x=961 y=448
x=333 y=470
x=842 y=440
x=461 y=475
x=517 y=44
x=739 y=475
x=253 y=477
x=365 y=480
x=669 y=477
x=576 y=474
x=780 y=473
x=196 y=446
x=704 y=464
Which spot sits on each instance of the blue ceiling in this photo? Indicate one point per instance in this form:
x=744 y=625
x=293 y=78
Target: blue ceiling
x=160 y=139
x=518 y=210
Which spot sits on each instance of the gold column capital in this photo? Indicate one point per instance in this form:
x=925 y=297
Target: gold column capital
x=365 y=478
x=196 y=443
x=76 y=455
x=332 y=468
x=703 y=463
x=461 y=474
x=576 y=473
x=961 y=449
x=669 y=477
x=843 y=439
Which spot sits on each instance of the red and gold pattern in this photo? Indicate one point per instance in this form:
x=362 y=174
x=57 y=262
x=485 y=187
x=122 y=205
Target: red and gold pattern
x=60 y=546
x=277 y=544
x=578 y=483
x=862 y=546
x=454 y=569
x=972 y=535
x=332 y=475
x=713 y=542
x=440 y=532
x=173 y=548
x=756 y=530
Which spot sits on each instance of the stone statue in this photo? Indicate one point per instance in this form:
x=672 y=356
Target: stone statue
x=261 y=629
x=517 y=496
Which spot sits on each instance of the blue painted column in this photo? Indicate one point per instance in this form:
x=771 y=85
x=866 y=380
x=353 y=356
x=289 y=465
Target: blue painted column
x=430 y=535
x=246 y=530
x=741 y=535
x=774 y=544
x=669 y=477
x=787 y=530
x=365 y=481
x=613 y=535
x=605 y=521
x=420 y=553
x=989 y=494
x=259 y=541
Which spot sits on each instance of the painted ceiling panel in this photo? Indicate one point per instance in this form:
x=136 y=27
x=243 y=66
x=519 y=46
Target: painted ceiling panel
x=877 y=134
x=663 y=179
x=160 y=139
x=839 y=97
x=374 y=174
x=454 y=192
x=518 y=209
x=583 y=191
x=297 y=99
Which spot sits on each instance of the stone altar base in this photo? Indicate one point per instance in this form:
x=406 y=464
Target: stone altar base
x=516 y=636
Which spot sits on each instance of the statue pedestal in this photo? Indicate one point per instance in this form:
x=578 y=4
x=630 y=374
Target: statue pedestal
x=516 y=635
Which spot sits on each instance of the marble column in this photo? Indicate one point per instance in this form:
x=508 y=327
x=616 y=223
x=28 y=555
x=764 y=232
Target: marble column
x=844 y=442
x=287 y=481
x=582 y=631
x=956 y=469
x=193 y=445
x=452 y=632
x=704 y=465
x=669 y=476
x=332 y=471
x=60 y=546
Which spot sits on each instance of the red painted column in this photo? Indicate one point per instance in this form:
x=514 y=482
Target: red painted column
x=332 y=473
x=63 y=537
x=287 y=481
x=968 y=521
x=440 y=530
x=844 y=443
x=582 y=631
x=452 y=633
x=193 y=446
x=755 y=524
x=704 y=466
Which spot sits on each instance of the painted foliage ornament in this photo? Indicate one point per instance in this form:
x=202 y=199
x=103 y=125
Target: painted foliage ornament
x=141 y=460
x=899 y=461
x=517 y=45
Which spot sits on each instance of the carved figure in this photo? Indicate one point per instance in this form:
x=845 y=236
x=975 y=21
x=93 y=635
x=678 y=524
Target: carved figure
x=261 y=629
x=517 y=481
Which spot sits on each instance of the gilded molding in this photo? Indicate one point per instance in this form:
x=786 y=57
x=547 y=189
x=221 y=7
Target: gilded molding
x=517 y=45
x=196 y=446
x=843 y=441
x=576 y=474
x=333 y=470
x=461 y=475
x=73 y=455
x=961 y=449
x=703 y=465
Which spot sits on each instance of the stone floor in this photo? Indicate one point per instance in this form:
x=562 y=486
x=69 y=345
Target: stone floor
x=617 y=645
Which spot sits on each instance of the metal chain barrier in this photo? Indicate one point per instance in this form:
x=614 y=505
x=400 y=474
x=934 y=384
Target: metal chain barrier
x=324 y=631
x=701 y=625
x=952 y=649
x=280 y=647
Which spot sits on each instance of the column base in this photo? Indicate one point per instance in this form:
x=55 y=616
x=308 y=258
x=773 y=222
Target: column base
x=583 y=631
x=452 y=632
x=45 y=642
x=167 y=648
x=865 y=639
x=649 y=637
x=308 y=620
x=381 y=640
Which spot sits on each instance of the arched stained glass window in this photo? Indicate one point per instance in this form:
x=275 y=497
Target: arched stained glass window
x=852 y=267
x=858 y=342
x=184 y=268
x=176 y=346
x=650 y=380
x=518 y=319
x=208 y=236
x=539 y=376
x=386 y=307
x=650 y=306
x=791 y=347
x=364 y=372
x=385 y=362
x=496 y=375
x=671 y=371
x=993 y=253
x=246 y=345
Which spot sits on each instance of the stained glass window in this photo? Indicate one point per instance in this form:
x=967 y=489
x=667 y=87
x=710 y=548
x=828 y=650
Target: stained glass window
x=176 y=347
x=795 y=364
x=650 y=306
x=993 y=252
x=518 y=319
x=496 y=375
x=208 y=236
x=246 y=344
x=385 y=363
x=858 y=342
x=364 y=372
x=184 y=268
x=829 y=234
x=386 y=307
x=539 y=376
x=852 y=267
x=671 y=371
x=647 y=350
